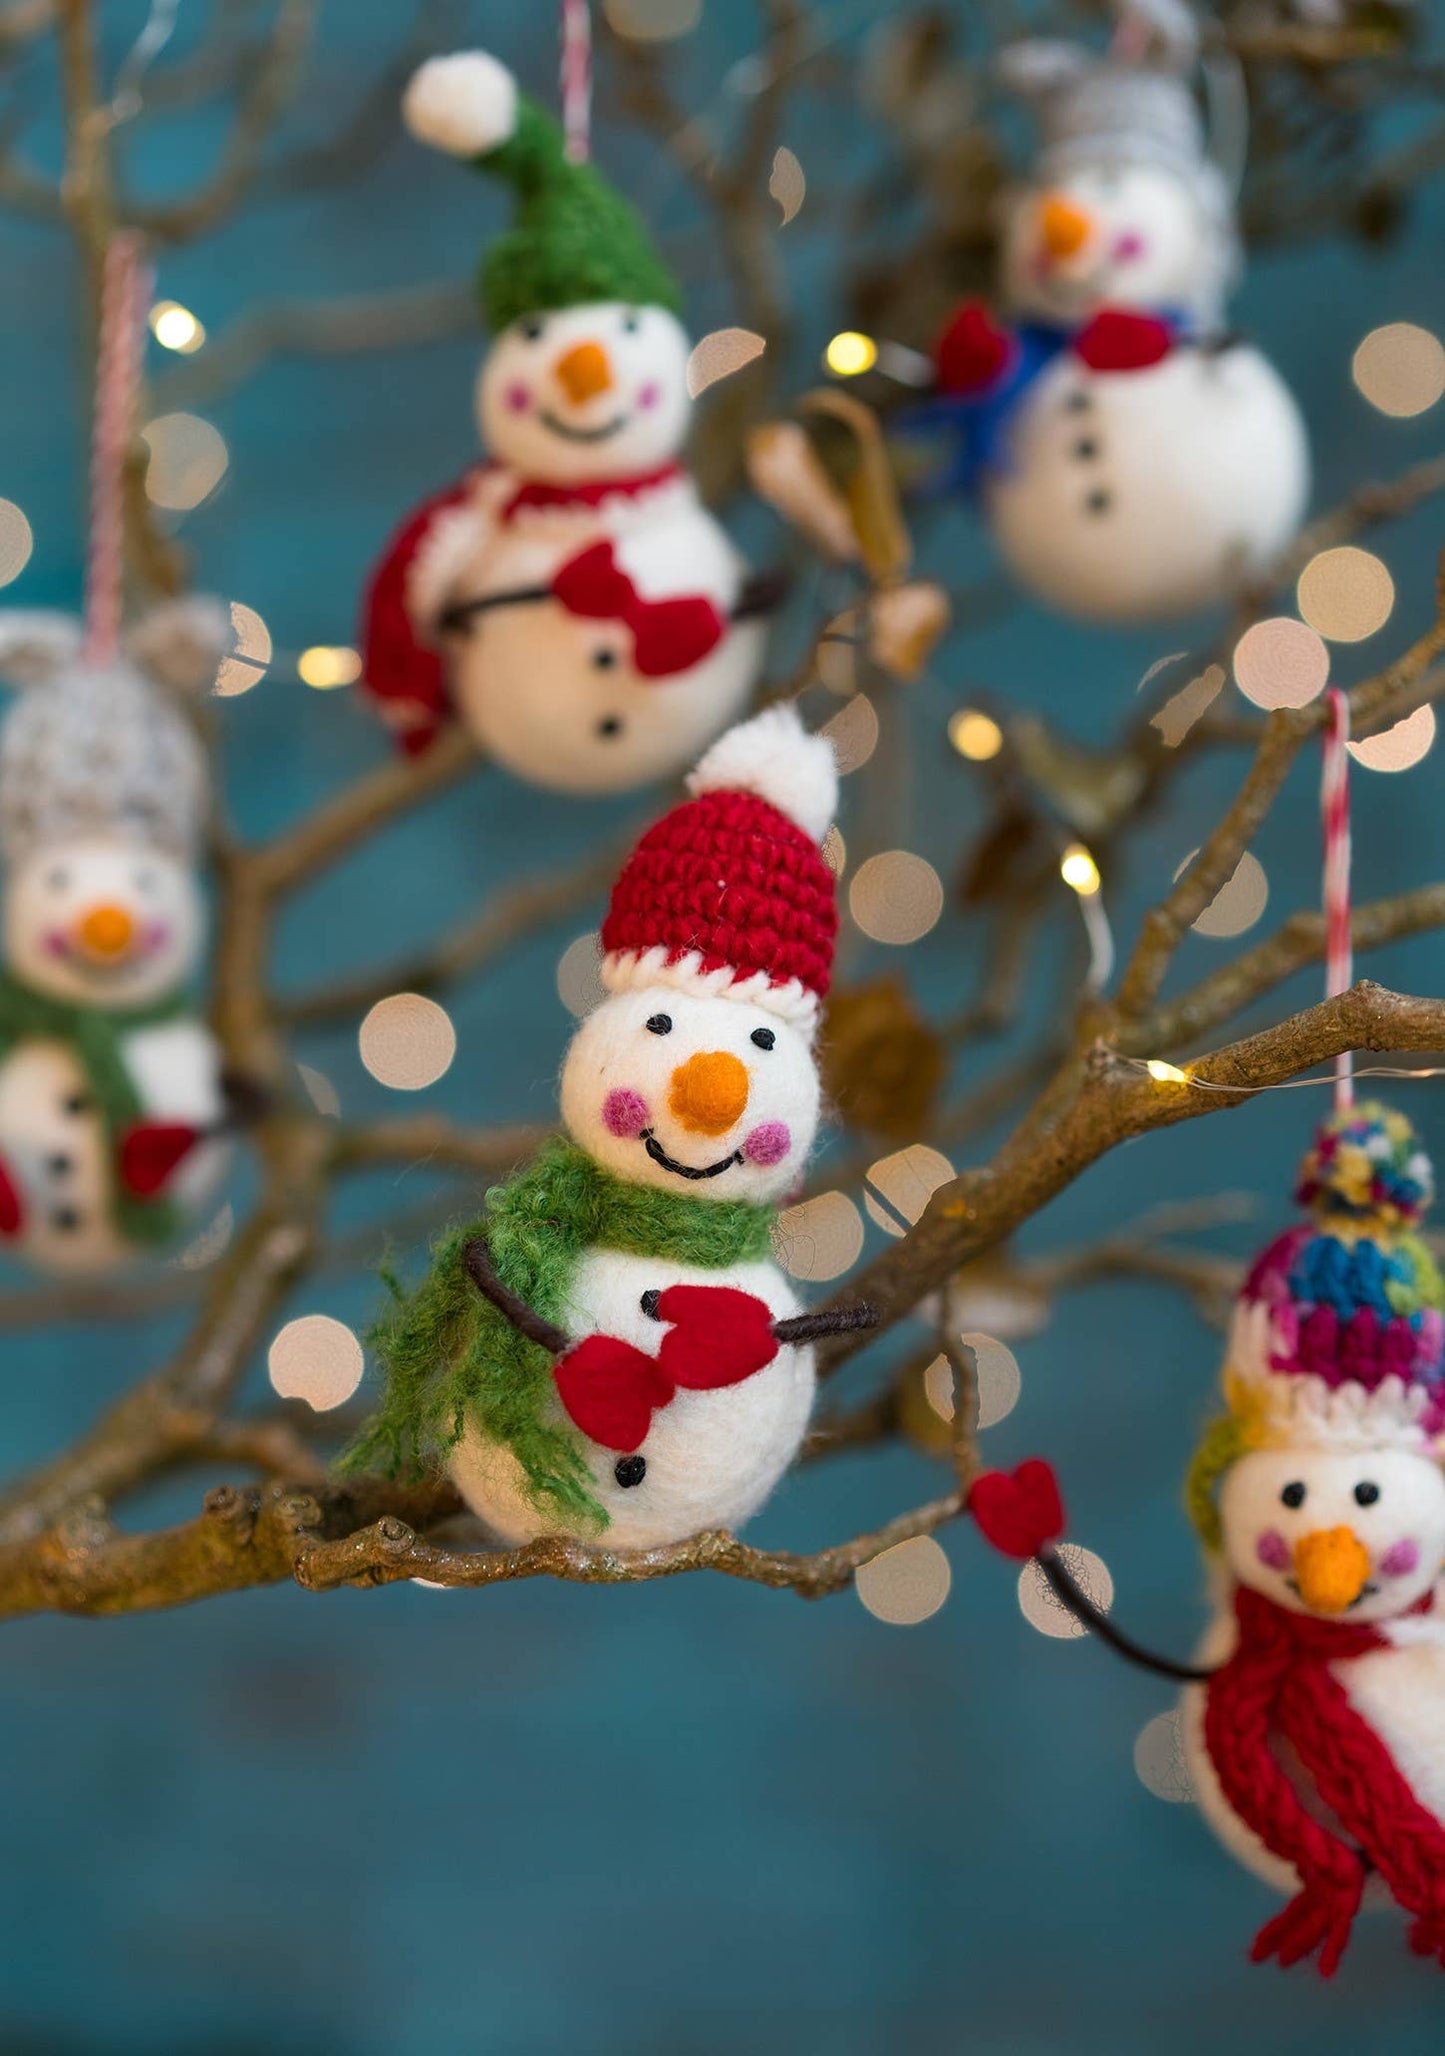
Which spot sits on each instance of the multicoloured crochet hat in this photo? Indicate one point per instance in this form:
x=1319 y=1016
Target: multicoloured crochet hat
x=1338 y=1336
x=575 y=239
x=730 y=893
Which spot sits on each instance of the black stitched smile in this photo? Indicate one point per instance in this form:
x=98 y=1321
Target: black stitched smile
x=583 y=435
x=660 y=1156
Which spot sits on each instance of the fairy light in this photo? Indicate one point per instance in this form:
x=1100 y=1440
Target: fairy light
x=719 y=354
x=407 y=1041
x=1079 y=871
x=176 y=328
x=188 y=460
x=318 y=1360
x=1041 y=1606
x=849 y=354
x=787 y=184
x=327 y=665
x=1400 y=368
x=1165 y=1074
x=975 y=735
x=895 y=897
x=17 y=540
x=905 y=1584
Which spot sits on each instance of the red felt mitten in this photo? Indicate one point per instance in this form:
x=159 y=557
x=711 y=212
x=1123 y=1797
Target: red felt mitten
x=12 y=1213
x=610 y=1389
x=1019 y=1512
x=668 y=635
x=150 y=1153
x=973 y=350
x=718 y=1336
x=1119 y=340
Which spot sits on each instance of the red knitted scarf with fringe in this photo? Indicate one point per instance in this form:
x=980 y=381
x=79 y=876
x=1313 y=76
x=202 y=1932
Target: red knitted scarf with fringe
x=1280 y=1685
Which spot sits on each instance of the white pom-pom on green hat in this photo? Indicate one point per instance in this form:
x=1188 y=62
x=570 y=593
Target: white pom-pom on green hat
x=464 y=104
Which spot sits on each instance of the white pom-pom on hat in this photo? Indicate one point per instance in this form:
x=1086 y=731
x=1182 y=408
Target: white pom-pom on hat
x=465 y=104
x=774 y=756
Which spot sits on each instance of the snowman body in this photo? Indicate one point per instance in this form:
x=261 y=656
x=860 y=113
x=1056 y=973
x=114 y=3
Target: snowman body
x=55 y=1149
x=1136 y=495
x=557 y=697
x=710 y=1458
x=1399 y=1692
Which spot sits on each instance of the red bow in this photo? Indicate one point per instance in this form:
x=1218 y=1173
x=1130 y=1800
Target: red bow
x=667 y=635
x=717 y=1337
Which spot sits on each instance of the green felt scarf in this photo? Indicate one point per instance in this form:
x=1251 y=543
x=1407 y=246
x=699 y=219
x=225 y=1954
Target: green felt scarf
x=452 y=1357
x=95 y=1035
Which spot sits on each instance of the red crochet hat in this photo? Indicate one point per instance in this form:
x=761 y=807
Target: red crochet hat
x=730 y=893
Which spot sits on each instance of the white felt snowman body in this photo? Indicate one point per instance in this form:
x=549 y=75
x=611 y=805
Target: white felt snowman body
x=1398 y=1690
x=575 y=604
x=1144 y=494
x=709 y=1460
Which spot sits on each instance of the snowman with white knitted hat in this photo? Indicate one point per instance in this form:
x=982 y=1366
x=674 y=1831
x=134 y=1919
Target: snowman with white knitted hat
x=110 y=1085
x=571 y=599
x=611 y=1351
x=1134 y=461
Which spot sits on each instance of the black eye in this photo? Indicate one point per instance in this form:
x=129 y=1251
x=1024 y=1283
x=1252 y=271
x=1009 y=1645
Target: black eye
x=531 y=327
x=608 y=726
x=631 y=322
x=57 y=878
x=1294 y=1493
x=659 y=1024
x=1366 y=1492
x=603 y=660
x=764 y=1037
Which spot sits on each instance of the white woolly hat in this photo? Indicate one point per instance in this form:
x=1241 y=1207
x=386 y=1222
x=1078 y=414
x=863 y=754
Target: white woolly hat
x=98 y=750
x=730 y=892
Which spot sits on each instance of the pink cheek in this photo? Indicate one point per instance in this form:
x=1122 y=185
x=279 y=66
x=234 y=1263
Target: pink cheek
x=624 y=1114
x=157 y=935
x=516 y=399
x=768 y=1144
x=648 y=396
x=1272 y=1550
x=1399 y=1561
x=1128 y=248
x=56 y=945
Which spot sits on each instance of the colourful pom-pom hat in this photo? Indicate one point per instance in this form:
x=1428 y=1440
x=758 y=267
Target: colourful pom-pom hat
x=1338 y=1335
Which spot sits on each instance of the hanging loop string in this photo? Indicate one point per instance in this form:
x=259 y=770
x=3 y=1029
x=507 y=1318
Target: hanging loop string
x=577 y=79
x=1335 y=819
x=124 y=299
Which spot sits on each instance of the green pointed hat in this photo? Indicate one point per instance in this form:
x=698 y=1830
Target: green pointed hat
x=574 y=238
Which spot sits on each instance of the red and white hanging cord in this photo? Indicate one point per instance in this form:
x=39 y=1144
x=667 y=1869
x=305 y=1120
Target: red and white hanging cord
x=1335 y=819
x=576 y=79
x=124 y=302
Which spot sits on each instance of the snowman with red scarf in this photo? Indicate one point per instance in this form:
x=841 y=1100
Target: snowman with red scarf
x=1314 y=1718
x=571 y=599
x=1135 y=461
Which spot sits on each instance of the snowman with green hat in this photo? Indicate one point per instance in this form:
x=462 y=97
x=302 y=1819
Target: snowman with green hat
x=570 y=599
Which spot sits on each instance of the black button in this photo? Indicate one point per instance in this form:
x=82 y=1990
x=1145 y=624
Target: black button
x=609 y=725
x=1078 y=400
x=65 y=1218
x=630 y=1471
x=1098 y=503
x=604 y=659
x=650 y=1303
x=77 y=1103
x=1086 y=449
x=60 y=1165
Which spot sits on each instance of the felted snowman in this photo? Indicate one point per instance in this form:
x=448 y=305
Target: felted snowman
x=611 y=1352
x=111 y=1101
x=1134 y=460
x=571 y=599
x=1314 y=1728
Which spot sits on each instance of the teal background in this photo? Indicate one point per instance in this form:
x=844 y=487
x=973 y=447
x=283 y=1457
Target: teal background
x=690 y=1818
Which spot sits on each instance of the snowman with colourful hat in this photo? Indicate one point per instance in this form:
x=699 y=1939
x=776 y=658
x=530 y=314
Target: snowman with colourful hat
x=1135 y=461
x=571 y=599
x=1314 y=1717
x=111 y=1100
x=610 y=1351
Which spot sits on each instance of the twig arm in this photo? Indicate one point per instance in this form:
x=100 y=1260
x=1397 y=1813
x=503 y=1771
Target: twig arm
x=525 y=1319
x=1071 y=1594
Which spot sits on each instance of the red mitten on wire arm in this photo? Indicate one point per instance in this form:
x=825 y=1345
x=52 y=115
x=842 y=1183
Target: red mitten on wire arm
x=973 y=350
x=12 y=1213
x=610 y=1390
x=718 y=1336
x=1119 y=340
x=1019 y=1512
x=151 y=1151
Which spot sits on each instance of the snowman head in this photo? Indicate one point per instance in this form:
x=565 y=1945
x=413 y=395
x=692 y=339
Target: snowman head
x=696 y=1074
x=708 y=1097
x=1353 y=1535
x=102 y=921
x=1124 y=206
x=102 y=802
x=590 y=392
x=587 y=378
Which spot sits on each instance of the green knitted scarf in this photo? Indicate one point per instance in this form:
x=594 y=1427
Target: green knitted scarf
x=452 y=1357
x=95 y=1036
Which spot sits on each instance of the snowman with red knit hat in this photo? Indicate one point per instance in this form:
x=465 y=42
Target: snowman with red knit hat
x=1135 y=461
x=610 y=1351
x=572 y=600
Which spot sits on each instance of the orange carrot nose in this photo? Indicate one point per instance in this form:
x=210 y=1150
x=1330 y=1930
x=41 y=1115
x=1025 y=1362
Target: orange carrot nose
x=1063 y=225
x=583 y=372
x=106 y=931
x=709 y=1092
x=1330 y=1567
